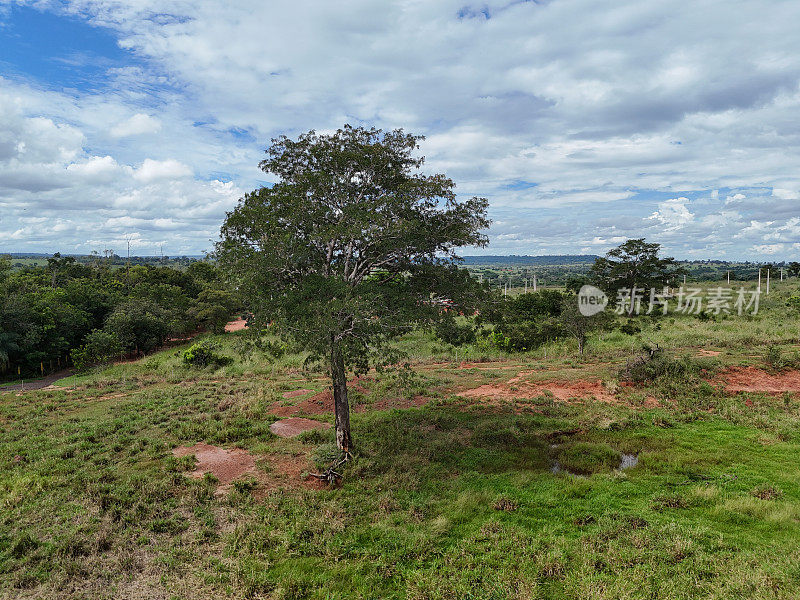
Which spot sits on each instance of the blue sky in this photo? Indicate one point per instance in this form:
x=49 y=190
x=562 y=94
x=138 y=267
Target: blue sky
x=58 y=51
x=583 y=123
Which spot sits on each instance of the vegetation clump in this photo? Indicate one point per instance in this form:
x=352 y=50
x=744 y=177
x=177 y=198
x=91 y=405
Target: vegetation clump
x=584 y=458
x=656 y=364
x=202 y=354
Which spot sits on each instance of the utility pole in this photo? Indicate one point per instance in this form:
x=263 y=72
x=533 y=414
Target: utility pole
x=729 y=277
x=128 y=262
x=759 y=280
x=534 y=282
x=767 y=281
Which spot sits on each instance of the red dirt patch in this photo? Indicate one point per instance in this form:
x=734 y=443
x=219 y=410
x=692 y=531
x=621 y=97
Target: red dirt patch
x=288 y=471
x=236 y=325
x=296 y=393
x=315 y=405
x=230 y=465
x=563 y=391
x=751 y=379
x=295 y=426
x=225 y=465
x=705 y=352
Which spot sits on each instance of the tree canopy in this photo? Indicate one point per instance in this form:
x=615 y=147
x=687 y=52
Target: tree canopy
x=350 y=248
x=631 y=266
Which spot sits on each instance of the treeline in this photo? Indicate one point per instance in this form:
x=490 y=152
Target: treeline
x=67 y=312
x=524 y=322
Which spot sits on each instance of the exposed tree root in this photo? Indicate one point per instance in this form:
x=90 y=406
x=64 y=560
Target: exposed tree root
x=331 y=475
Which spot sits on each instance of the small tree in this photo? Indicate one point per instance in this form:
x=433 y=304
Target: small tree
x=213 y=309
x=99 y=346
x=578 y=325
x=350 y=248
x=139 y=325
x=631 y=266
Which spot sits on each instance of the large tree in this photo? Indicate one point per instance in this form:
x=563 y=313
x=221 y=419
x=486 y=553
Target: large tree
x=634 y=266
x=350 y=248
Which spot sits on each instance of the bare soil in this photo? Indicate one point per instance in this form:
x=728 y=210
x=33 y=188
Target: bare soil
x=284 y=470
x=296 y=393
x=225 y=465
x=565 y=391
x=751 y=379
x=236 y=325
x=317 y=404
x=294 y=426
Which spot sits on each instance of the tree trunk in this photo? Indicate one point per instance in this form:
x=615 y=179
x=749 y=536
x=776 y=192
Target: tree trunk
x=581 y=342
x=341 y=407
x=630 y=308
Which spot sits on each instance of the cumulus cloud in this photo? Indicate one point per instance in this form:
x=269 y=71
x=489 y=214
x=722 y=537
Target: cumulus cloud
x=138 y=124
x=155 y=170
x=576 y=118
x=673 y=214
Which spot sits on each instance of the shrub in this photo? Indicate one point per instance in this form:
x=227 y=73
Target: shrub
x=777 y=361
x=99 y=347
x=202 y=354
x=450 y=331
x=794 y=302
x=139 y=325
x=630 y=328
x=654 y=364
x=525 y=335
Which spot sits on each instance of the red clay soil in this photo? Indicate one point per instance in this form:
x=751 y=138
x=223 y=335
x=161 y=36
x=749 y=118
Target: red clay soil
x=225 y=465
x=236 y=325
x=230 y=465
x=293 y=426
x=563 y=391
x=315 y=405
x=705 y=352
x=751 y=379
x=296 y=393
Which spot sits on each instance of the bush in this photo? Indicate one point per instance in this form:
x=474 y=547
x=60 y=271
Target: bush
x=778 y=361
x=99 y=347
x=449 y=331
x=524 y=322
x=139 y=325
x=794 y=302
x=630 y=328
x=654 y=364
x=202 y=354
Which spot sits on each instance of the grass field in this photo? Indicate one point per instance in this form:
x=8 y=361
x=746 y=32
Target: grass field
x=452 y=493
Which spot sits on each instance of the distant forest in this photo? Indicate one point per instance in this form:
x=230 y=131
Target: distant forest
x=524 y=260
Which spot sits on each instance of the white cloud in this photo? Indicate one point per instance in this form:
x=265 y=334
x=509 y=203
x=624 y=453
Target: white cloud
x=98 y=169
x=767 y=248
x=574 y=117
x=154 y=170
x=673 y=214
x=138 y=124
